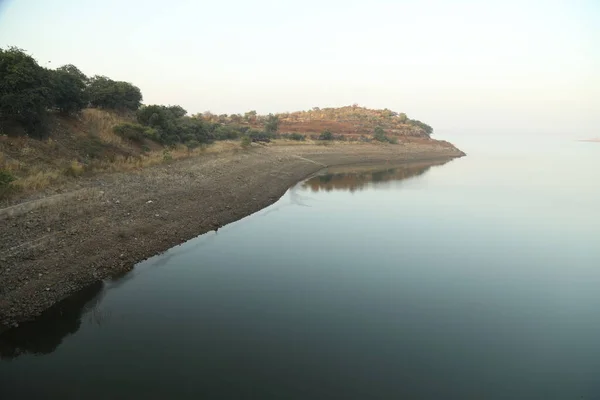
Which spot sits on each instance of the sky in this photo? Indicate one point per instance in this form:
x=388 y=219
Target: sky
x=461 y=66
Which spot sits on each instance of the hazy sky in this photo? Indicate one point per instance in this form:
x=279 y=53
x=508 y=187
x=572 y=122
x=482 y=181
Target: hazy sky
x=531 y=66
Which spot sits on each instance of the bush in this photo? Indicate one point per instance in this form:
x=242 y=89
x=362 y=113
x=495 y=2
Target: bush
x=224 y=132
x=192 y=144
x=246 y=142
x=426 y=128
x=272 y=123
x=129 y=131
x=380 y=136
x=297 y=136
x=258 y=136
x=326 y=135
x=6 y=179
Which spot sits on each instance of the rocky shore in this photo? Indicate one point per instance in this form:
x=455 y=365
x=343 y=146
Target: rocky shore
x=53 y=247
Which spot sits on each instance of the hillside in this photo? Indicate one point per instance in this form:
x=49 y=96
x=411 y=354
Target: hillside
x=349 y=122
x=86 y=143
x=59 y=124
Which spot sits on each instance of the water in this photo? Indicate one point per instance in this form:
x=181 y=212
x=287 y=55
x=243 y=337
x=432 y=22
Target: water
x=476 y=279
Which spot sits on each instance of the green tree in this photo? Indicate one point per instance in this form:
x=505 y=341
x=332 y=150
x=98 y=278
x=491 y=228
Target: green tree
x=103 y=92
x=25 y=90
x=272 y=123
x=68 y=89
x=177 y=111
x=379 y=134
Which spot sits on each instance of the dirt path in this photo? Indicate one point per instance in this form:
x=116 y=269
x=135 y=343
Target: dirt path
x=57 y=245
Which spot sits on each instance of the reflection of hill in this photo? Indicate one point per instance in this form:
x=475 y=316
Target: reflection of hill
x=45 y=334
x=357 y=179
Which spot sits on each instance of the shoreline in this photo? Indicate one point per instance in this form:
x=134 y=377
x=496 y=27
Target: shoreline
x=53 y=247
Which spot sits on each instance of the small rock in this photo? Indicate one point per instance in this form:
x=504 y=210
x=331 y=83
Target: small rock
x=122 y=255
x=117 y=202
x=149 y=202
x=156 y=215
x=48 y=229
x=40 y=275
x=47 y=289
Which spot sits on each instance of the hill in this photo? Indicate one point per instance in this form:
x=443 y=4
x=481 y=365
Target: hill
x=349 y=122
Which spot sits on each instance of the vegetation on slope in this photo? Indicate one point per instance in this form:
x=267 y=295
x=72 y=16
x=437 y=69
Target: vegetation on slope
x=57 y=123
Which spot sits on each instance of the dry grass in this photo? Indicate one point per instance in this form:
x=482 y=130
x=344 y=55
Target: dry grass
x=39 y=180
x=100 y=123
x=75 y=168
x=9 y=164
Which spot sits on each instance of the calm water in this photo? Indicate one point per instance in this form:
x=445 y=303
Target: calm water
x=476 y=279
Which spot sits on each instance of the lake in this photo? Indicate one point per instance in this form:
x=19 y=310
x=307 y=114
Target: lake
x=478 y=278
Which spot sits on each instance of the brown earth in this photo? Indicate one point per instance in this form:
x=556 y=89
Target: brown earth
x=53 y=246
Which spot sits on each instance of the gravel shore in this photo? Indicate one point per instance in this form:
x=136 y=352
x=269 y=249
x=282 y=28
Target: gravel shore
x=52 y=247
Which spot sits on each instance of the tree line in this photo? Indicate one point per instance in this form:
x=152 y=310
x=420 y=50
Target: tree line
x=29 y=91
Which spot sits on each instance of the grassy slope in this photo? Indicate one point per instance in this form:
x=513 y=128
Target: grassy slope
x=75 y=146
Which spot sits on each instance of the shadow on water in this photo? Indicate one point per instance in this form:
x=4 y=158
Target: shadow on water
x=359 y=178
x=46 y=333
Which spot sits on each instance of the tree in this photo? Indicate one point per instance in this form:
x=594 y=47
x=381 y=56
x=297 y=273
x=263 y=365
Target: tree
x=177 y=111
x=379 y=135
x=173 y=126
x=25 y=90
x=272 y=123
x=68 y=89
x=103 y=92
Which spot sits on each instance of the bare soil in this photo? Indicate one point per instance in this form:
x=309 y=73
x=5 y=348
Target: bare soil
x=52 y=247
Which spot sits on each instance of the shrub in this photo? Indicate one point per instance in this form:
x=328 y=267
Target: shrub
x=192 y=144
x=224 y=132
x=380 y=136
x=297 y=136
x=272 y=123
x=258 y=136
x=326 y=135
x=246 y=142
x=6 y=179
x=167 y=156
x=129 y=131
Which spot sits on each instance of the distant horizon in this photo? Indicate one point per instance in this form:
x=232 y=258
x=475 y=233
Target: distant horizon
x=466 y=67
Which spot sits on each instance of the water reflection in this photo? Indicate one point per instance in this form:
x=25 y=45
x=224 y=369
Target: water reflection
x=45 y=334
x=359 y=178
